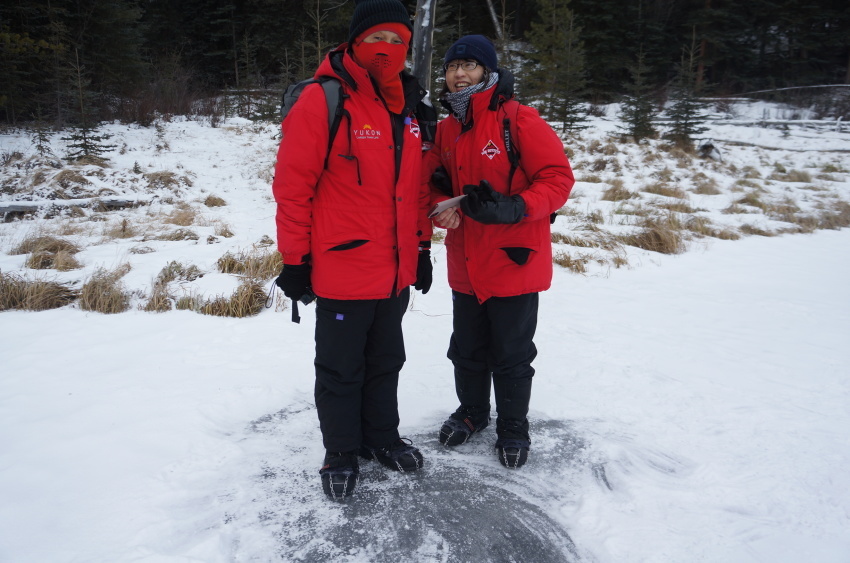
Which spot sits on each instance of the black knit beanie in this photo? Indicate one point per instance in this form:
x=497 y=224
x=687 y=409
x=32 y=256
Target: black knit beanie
x=475 y=47
x=368 y=13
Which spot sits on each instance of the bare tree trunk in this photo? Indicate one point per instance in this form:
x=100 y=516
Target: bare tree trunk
x=495 y=19
x=423 y=38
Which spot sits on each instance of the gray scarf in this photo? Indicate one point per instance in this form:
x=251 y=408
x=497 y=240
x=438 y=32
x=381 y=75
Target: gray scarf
x=459 y=101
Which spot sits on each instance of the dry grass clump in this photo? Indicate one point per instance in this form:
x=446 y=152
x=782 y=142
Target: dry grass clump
x=836 y=218
x=751 y=173
x=122 y=230
x=439 y=235
x=676 y=207
x=142 y=250
x=223 y=230
x=752 y=199
x=594 y=146
x=702 y=226
x=703 y=185
x=595 y=238
x=159 y=301
x=44 y=243
x=657 y=235
x=248 y=300
x=33 y=295
x=91 y=160
x=792 y=176
x=183 y=215
x=214 y=201
x=165 y=179
x=590 y=179
x=63 y=261
x=741 y=184
x=46 y=252
x=69 y=177
x=617 y=192
x=179 y=234
x=577 y=265
x=104 y=292
x=177 y=271
x=660 y=188
x=257 y=263
x=749 y=229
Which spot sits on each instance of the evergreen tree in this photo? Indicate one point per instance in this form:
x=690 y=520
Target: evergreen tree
x=637 y=108
x=686 y=110
x=558 y=77
x=85 y=140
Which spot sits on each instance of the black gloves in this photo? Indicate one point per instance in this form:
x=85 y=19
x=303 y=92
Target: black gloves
x=294 y=280
x=485 y=205
x=424 y=268
x=442 y=181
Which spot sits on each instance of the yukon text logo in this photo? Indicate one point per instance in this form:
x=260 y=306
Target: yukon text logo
x=490 y=150
x=366 y=132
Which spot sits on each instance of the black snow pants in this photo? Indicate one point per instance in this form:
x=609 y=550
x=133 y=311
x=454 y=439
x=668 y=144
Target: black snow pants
x=359 y=354
x=494 y=340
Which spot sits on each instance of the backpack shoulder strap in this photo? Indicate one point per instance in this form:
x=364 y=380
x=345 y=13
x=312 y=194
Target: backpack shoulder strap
x=509 y=124
x=509 y=132
x=334 y=97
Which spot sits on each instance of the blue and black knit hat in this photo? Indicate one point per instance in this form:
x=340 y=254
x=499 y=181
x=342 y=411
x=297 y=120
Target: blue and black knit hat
x=475 y=47
x=369 y=13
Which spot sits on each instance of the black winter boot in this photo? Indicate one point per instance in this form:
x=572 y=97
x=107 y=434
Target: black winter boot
x=513 y=443
x=400 y=455
x=340 y=473
x=462 y=424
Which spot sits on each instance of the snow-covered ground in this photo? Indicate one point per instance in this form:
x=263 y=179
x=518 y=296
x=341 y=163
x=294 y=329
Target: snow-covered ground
x=688 y=407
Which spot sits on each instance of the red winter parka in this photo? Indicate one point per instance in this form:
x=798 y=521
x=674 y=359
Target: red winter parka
x=502 y=260
x=359 y=220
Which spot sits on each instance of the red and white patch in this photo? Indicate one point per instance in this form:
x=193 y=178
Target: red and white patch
x=490 y=150
x=414 y=128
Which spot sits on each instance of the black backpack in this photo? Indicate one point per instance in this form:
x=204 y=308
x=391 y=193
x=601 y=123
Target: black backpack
x=333 y=96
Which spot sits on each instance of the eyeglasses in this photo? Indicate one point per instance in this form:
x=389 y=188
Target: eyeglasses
x=465 y=65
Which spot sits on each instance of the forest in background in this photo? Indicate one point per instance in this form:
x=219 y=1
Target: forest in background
x=67 y=61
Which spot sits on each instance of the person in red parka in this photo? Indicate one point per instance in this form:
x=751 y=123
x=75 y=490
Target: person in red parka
x=498 y=242
x=353 y=229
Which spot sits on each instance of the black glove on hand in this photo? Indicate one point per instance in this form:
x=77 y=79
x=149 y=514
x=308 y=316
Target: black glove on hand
x=485 y=205
x=424 y=269
x=294 y=280
x=442 y=181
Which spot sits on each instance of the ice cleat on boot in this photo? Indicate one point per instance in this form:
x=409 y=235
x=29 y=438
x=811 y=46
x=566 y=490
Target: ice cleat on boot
x=400 y=455
x=339 y=473
x=513 y=443
x=512 y=453
x=462 y=424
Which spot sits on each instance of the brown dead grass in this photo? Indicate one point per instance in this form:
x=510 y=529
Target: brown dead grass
x=44 y=243
x=576 y=264
x=121 y=230
x=248 y=300
x=256 y=263
x=661 y=188
x=702 y=226
x=104 y=292
x=749 y=229
x=183 y=215
x=617 y=192
x=177 y=271
x=179 y=234
x=214 y=201
x=657 y=235
x=17 y=292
